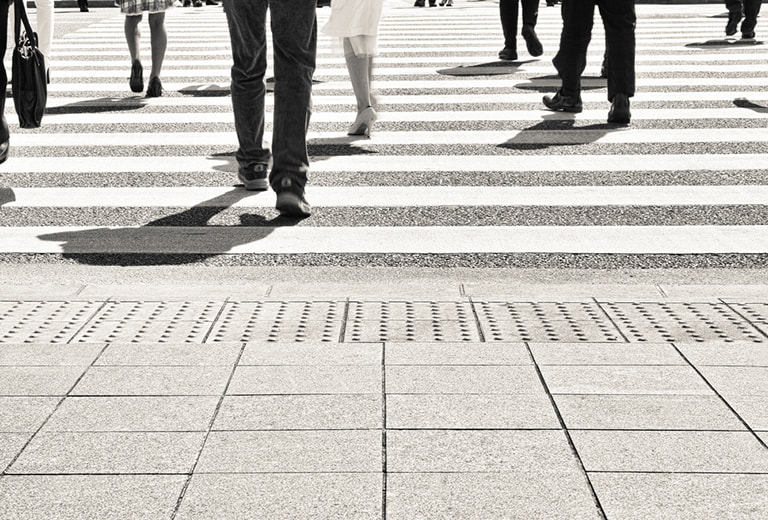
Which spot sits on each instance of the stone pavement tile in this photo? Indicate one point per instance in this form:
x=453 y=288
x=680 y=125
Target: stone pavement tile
x=324 y=379
x=477 y=411
x=25 y=414
x=283 y=496
x=624 y=380
x=312 y=354
x=402 y=290
x=646 y=412
x=726 y=354
x=166 y=354
x=481 y=451
x=111 y=414
x=664 y=496
x=737 y=381
x=189 y=291
x=300 y=412
x=575 y=292
x=370 y=331
x=109 y=452
x=36 y=291
x=148 y=380
x=457 y=354
x=671 y=451
x=40 y=381
x=49 y=354
x=463 y=379
x=605 y=354
x=753 y=409
x=550 y=495
x=89 y=497
x=10 y=446
x=325 y=451
x=735 y=292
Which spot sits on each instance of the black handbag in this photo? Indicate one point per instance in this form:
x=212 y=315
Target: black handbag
x=28 y=77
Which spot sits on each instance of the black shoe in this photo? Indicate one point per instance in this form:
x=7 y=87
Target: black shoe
x=155 y=88
x=560 y=103
x=187 y=3
x=507 y=54
x=532 y=41
x=619 y=112
x=255 y=178
x=211 y=2
x=419 y=3
x=432 y=3
x=5 y=145
x=748 y=35
x=734 y=17
x=291 y=202
x=137 y=77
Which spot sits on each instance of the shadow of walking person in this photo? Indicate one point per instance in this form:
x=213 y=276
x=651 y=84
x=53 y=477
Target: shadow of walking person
x=181 y=238
x=745 y=103
x=558 y=129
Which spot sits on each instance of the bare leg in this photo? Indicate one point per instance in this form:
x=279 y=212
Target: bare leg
x=159 y=41
x=360 y=76
x=133 y=36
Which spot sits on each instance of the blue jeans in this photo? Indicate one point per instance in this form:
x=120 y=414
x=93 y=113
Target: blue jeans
x=571 y=60
x=294 y=40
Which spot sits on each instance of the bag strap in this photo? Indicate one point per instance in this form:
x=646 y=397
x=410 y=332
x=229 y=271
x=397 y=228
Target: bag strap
x=20 y=16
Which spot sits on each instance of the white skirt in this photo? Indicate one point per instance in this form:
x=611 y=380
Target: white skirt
x=357 y=20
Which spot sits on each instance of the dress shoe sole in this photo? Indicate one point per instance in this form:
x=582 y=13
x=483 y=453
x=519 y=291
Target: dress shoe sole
x=291 y=205
x=254 y=184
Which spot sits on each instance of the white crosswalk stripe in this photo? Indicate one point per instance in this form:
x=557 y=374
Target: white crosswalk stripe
x=458 y=131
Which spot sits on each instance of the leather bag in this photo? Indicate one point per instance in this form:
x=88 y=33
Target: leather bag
x=29 y=82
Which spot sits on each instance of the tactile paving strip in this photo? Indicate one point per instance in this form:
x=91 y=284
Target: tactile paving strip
x=756 y=314
x=280 y=321
x=410 y=321
x=152 y=322
x=682 y=322
x=43 y=322
x=546 y=322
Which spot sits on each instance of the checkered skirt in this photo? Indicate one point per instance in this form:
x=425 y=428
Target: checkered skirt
x=135 y=7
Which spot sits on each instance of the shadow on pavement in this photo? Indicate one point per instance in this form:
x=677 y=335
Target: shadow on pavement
x=493 y=68
x=745 y=103
x=549 y=84
x=7 y=195
x=724 y=42
x=93 y=106
x=187 y=234
x=559 y=131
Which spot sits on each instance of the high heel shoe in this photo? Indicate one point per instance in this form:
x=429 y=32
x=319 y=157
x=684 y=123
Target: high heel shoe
x=363 y=123
x=155 y=88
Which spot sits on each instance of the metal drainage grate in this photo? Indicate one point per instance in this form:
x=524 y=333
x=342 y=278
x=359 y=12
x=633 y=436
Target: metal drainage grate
x=43 y=322
x=545 y=322
x=410 y=321
x=279 y=321
x=151 y=322
x=681 y=322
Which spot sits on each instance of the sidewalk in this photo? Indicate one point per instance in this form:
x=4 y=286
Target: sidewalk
x=353 y=400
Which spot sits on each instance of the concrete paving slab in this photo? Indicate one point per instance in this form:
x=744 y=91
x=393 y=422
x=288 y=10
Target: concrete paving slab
x=732 y=292
x=646 y=412
x=430 y=289
x=671 y=451
x=327 y=451
x=149 y=380
x=283 y=496
x=25 y=414
x=548 y=331
x=726 y=354
x=41 y=291
x=457 y=354
x=324 y=379
x=126 y=414
x=463 y=379
x=411 y=330
x=311 y=353
x=44 y=354
x=515 y=496
x=661 y=496
x=300 y=412
x=605 y=354
x=10 y=445
x=753 y=409
x=170 y=354
x=89 y=497
x=466 y=451
x=141 y=331
x=443 y=411
x=109 y=452
x=557 y=292
x=39 y=331
x=737 y=381
x=174 y=291
x=39 y=381
x=636 y=379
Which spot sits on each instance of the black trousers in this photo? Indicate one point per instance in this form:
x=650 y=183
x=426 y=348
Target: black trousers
x=751 y=8
x=3 y=73
x=508 y=9
x=571 y=59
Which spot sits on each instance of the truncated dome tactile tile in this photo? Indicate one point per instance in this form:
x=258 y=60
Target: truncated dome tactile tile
x=682 y=322
x=546 y=322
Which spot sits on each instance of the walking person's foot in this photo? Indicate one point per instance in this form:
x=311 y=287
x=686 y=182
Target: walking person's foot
x=561 y=103
x=532 y=42
x=136 y=81
x=290 y=200
x=155 y=87
x=619 y=112
x=507 y=54
x=734 y=17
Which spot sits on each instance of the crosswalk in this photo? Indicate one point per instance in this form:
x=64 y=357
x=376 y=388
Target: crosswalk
x=464 y=166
